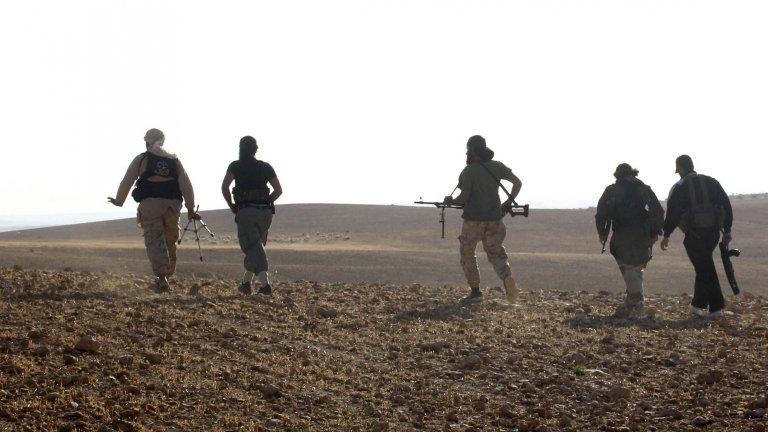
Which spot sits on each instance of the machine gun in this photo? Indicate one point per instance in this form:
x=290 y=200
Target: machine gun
x=514 y=210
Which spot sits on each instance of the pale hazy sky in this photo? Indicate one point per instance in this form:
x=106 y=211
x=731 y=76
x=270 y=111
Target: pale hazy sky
x=372 y=101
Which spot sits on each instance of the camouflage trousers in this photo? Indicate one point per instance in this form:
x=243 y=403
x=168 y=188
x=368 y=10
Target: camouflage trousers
x=492 y=234
x=159 y=219
x=252 y=232
x=633 y=278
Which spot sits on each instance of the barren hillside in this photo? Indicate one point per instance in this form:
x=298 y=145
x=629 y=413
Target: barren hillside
x=553 y=249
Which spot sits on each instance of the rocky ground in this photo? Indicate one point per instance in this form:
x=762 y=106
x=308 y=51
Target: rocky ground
x=100 y=352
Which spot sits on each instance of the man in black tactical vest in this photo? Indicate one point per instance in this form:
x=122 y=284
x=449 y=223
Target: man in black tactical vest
x=253 y=207
x=631 y=207
x=701 y=208
x=161 y=184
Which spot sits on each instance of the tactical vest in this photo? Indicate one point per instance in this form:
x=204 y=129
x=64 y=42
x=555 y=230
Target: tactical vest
x=701 y=213
x=158 y=166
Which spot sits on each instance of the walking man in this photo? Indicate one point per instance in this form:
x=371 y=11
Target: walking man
x=701 y=208
x=253 y=207
x=161 y=184
x=631 y=207
x=483 y=213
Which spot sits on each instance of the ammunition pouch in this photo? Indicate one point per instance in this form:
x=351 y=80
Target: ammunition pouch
x=245 y=197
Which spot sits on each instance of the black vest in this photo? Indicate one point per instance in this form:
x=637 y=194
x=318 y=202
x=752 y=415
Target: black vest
x=158 y=166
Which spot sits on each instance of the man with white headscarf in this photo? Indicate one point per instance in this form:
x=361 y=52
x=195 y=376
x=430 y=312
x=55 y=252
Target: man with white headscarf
x=161 y=184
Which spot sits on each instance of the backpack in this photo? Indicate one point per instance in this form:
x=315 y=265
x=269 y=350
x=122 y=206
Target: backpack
x=701 y=213
x=630 y=207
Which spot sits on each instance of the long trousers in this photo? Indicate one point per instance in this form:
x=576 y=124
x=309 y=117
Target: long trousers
x=159 y=219
x=700 y=244
x=252 y=231
x=633 y=278
x=492 y=234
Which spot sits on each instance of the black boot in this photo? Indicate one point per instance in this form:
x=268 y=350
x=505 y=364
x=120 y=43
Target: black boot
x=266 y=290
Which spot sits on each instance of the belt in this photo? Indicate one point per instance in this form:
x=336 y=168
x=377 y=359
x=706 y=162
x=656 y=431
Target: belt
x=256 y=206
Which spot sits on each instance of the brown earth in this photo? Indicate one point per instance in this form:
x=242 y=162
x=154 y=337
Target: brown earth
x=553 y=249
x=98 y=352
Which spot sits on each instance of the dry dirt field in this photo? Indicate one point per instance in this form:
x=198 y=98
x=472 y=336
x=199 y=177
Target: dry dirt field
x=551 y=250
x=364 y=332
x=99 y=352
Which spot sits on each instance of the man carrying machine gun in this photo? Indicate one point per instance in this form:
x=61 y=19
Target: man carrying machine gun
x=483 y=216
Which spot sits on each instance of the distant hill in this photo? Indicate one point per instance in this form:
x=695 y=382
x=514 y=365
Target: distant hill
x=552 y=249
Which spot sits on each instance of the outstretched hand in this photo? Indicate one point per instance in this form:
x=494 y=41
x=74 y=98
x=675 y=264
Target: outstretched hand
x=191 y=215
x=114 y=202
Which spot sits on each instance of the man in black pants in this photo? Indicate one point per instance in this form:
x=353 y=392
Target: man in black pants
x=701 y=208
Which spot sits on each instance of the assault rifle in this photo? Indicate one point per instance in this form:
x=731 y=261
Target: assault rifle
x=726 y=255
x=514 y=210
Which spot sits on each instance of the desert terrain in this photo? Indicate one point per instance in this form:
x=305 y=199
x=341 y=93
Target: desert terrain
x=550 y=250
x=364 y=332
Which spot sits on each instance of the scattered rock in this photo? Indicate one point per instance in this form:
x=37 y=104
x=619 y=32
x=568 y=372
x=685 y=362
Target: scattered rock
x=41 y=351
x=270 y=391
x=617 y=393
x=700 y=421
x=379 y=426
x=327 y=312
x=125 y=360
x=69 y=359
x=506 y=410
x=434 y=346
x=87 y=344
x=153 y=358
x=710 y=377
x=472 y=361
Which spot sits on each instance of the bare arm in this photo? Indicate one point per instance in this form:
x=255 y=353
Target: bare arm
x=517 y=184
x=459 y=200
x=228 y=179
x=186 y=188
x=277 y=189
x=131 y=174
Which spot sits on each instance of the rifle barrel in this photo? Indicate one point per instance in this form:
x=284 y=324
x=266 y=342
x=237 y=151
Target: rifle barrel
x=438 y=204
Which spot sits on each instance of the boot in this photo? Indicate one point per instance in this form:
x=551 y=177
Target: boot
x=510 y=288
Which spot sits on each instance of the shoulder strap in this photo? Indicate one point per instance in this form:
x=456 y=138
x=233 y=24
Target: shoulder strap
x=704 y=191
x=143 y=158
x=693 y=199
x=491 y=173
x=498 y=181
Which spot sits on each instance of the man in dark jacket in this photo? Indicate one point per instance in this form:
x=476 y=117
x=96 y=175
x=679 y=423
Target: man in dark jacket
x=637 y=216
x=701 y=208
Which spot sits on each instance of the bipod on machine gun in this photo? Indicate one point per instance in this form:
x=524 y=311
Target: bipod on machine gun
x=196 y=230
x=442 y=208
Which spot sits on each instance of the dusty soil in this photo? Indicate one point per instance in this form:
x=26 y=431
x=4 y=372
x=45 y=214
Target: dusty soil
x=553 y=249
x=100 y=352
